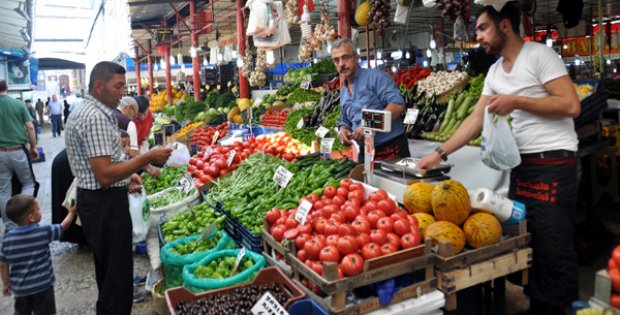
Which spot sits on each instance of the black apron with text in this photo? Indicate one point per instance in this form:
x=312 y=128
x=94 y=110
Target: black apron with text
x=393 y=149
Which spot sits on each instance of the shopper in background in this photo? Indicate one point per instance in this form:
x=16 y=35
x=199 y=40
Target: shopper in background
x=66 y=110
x=372 y=89
x=104 y=177
x=17 y=130
x=124 y=113
x=531 y=83
x=55 y=112
x=40 y=107
x=25 y=257
x=32 y=111
x=144 y=122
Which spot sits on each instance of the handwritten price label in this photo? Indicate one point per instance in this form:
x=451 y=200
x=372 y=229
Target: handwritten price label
x=231 y=157
x=303 y=211
x=282 y=176
x=326 y=145
x=411 y=116
x=321 y=132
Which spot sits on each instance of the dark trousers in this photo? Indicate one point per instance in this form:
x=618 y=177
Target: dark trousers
x=107 y=228
x=549 y=192
x=42 y=303
x=56 y=124
x=393 y=149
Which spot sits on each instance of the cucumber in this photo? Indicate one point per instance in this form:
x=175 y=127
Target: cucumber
x=464 y=107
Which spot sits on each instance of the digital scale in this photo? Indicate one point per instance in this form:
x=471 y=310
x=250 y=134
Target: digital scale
x=395 y=175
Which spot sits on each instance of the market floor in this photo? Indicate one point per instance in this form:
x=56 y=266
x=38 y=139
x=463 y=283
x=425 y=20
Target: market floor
x=76 y=289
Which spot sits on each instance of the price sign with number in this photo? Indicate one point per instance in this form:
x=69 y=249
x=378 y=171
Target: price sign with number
x=302 y=211
x=208 y=153
x=411 y=116
x=216 y=135
x=282 y=176
x=326 y=145
x=321 y=132
x=268 y=305
x=231 y=157
x=304 y=85
x=300 y=124
x=238 y=260
x=186 y=183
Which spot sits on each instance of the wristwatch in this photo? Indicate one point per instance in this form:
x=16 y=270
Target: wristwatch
x=442 y=153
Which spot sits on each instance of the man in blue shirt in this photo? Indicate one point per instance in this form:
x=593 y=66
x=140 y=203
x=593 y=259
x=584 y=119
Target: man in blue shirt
x=372 y=89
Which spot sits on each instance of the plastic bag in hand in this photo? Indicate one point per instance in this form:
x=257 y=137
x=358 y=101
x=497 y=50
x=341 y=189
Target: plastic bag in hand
x=499 y=149
x=179 y=157
x=140 y=216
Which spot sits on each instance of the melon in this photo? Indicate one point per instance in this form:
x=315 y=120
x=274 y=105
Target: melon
x=361 y=14
x=446 y=232
x=418 y=197
x=424 y=220
x=482 y=229
x=450 y=202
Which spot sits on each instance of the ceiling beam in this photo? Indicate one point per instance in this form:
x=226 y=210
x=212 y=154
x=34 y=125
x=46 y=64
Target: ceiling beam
x=149 y=2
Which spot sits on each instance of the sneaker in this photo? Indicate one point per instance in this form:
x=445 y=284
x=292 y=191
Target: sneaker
x=151 y=278
x=137 y=295
x=138 y=280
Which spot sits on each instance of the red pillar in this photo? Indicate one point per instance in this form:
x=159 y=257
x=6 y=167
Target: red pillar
x=150 y=68
x=244 y=90
x=137 y=65
x=168 y=75
x=195 y=58
x=344 y=15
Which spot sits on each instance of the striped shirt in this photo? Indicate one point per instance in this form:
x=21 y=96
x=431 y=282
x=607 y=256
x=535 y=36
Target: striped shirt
x=27 y=252
x=92 y=131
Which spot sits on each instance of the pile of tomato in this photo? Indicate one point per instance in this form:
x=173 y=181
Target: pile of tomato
x=274 y=119
x=203 y=136
x=280 y=144
x=345 y=227
x=205 y=168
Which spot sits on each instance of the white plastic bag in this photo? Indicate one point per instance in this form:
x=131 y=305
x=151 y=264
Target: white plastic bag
x=258 y=21
x=499 y=149
x=140 y=216
x=281 y=36
x=71 y=197
x=180 y=156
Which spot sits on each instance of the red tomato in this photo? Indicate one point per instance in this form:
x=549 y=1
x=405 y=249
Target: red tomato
x=329 y=191
x=615 y=300
x=388 y=248
x=313 y=248
x=374 y=217
x=318 y=205
x=200 y=164
x=356 y=187
x=615 y=255
x=345 y=183
x=362 y=239
x=371 y=250
x=205 y=178
x=306 y=228
x=356 y=195
x=221 y=163
x=393 y=239
x=346 y=229
x=342 y=192
x=223 y=172
x=312 y=198
x=352 y=264
x=361 y=225
x=413 y=220
x=410 y=240
x=319 y=226
x=301 y=255
x=386 y=206
x=191 y=168
x=317 y=267
x=301 y=240
x=385 y=224
x=338 y=217
x=321 y=238
x=329 y=253
x=281 y=220
x=291 y=234
x=371 y=205
x=347 y=244
x=278 y=232
x=291 y=223
x=332 y=240
x=331 y=228
x=378 y=236
x=610 y=264
x=378 y=195
x=330 y=209
x=402 y=227
x=338 y=200
x=350 y=212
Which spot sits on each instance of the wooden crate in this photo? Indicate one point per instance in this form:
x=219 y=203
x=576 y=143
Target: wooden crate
x=452 y=281
x=516 y=236
x=271 y=248
x=403 y=262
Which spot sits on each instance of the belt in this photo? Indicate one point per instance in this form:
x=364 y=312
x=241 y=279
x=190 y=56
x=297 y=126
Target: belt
x=105 y=189
x=550 y=154
x=11 y=149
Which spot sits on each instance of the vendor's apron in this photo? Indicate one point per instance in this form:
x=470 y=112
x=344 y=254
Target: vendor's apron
x=547 y=184
x=393 y=149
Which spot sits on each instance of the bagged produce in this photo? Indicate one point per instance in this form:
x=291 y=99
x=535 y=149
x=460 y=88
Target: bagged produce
x=179 y=157
x=499 y=149
x=140 y=216
x=246 y=272
x=175 y=255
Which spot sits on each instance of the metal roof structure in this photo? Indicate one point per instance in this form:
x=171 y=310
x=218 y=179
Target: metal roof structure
x=16 y=25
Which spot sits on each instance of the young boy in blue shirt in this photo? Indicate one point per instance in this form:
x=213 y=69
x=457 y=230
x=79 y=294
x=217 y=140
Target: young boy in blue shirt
x=25 y=261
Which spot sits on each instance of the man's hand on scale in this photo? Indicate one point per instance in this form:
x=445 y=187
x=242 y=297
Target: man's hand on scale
x=358 y=134
x=429 y=161
x=345 y=135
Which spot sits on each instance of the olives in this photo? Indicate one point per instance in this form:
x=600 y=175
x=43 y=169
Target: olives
x=237 y=302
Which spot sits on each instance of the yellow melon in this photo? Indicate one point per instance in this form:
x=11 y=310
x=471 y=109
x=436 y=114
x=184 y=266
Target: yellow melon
x=482 y=229
x=361 y=14
x=450 y=202
x=446 y=232
x=418 y=197
x=424 y=220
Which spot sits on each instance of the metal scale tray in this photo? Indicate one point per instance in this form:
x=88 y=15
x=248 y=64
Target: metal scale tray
x=408 y=166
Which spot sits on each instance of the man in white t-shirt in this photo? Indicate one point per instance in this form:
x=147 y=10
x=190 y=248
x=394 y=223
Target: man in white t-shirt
x=530 y=83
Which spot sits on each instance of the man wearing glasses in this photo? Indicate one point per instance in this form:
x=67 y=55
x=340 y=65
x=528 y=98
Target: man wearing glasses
x=372 y=89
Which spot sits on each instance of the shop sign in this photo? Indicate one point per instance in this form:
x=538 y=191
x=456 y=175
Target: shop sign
x=163 y=36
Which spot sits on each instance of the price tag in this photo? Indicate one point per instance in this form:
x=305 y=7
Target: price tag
x=411 y=116
x=206 y=232
x=282 y=176
x=300 y=124
x=216 y=135
x=238 y=260
x=305 y=85
x=186 y=183
x=231 y=156
x=321 y=132
x=208 y=153
x=250 y=114
x=268 y=305
x=303 y=211
x=326 y=145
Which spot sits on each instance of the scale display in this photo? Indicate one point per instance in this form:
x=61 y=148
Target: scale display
x=377 y=120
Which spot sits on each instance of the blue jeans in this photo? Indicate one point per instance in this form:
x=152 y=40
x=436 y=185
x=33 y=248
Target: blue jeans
x=56 y=124
x=15 y=161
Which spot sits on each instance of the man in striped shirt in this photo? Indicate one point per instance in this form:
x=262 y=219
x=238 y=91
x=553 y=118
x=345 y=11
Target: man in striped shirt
x=25 y=261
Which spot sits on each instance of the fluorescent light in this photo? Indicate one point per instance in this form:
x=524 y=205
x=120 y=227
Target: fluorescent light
x=425 y=63
x=394 y=69
x=432 y=44
x=608 y=61
x=397 y=55
x=379 y=54
x=316 y=60
x=408 y=55
x=577 y=62
x=429 y=53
